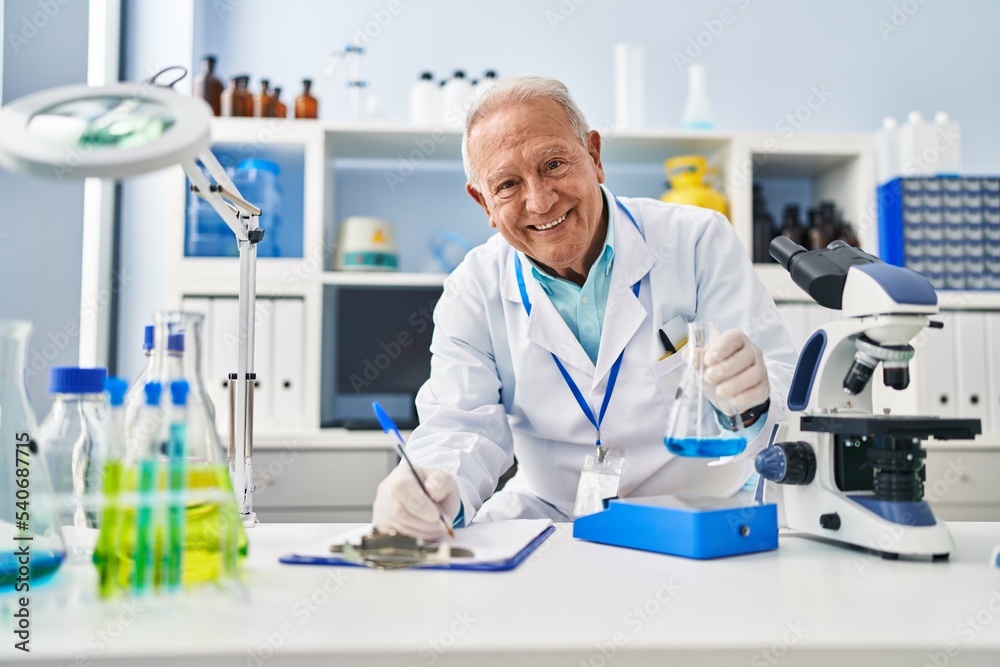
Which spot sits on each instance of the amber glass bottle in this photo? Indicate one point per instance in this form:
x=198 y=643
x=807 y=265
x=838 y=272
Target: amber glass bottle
x=280 y=110
x=237 y=100
x=306 y=105
x=263 y=104
x=209 y=87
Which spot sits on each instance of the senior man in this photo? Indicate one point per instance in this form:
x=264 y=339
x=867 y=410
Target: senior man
x=547 y=337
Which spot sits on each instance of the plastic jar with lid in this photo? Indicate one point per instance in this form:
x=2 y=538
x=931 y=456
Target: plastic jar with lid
x=258 y=181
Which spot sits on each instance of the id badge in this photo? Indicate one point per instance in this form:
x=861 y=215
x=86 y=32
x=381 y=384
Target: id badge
x=599 y=480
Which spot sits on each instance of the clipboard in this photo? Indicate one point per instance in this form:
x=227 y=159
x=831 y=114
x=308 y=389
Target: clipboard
x=313 y=555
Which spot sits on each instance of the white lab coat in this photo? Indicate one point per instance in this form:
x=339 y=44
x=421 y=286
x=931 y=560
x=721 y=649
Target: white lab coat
x=495 y=392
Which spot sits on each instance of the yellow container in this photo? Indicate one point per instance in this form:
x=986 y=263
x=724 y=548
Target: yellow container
x=686 y=174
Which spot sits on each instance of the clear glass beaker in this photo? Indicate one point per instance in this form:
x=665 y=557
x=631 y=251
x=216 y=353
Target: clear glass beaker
x=27 y=518
x=696 y=417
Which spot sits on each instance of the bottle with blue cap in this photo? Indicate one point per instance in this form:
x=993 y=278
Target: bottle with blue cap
x=135 y=397
x=73 y=442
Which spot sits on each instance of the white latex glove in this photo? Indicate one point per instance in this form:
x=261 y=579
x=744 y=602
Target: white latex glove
x=735 y=373
x=400 y=504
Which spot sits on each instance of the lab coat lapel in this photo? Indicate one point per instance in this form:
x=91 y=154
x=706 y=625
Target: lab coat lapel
x=624 y=313
x=546 y=327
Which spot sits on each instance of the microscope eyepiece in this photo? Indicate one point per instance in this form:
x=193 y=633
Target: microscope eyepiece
x=783 y=249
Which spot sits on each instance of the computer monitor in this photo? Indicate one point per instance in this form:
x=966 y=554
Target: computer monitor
x=380 y=351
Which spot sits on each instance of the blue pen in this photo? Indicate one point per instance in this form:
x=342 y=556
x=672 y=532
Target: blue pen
x=389 y=427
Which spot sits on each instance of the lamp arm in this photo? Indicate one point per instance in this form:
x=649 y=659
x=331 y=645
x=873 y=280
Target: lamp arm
x=223 y=195
x=242 y=217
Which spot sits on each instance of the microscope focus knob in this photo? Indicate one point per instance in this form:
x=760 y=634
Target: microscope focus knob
x=787 y=463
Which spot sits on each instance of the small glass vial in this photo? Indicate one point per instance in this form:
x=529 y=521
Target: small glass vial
x=209 y=87
x=306 y=105
x=237 y=100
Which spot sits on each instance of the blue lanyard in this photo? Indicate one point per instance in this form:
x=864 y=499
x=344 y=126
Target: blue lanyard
x=577 y=394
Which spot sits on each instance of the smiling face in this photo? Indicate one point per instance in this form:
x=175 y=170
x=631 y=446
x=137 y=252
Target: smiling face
x=540 y=186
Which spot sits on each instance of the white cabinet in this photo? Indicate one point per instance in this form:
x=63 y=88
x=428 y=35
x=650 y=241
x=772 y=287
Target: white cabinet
x=293 y=318
x=962 y=482
x=318 y=484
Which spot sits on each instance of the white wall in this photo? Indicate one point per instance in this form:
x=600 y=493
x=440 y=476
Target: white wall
x=41 y=221
x=764 y=60
x=761 y=66
x=158 y=34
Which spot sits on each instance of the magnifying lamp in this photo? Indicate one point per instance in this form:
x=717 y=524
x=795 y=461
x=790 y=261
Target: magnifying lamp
x=125 y=129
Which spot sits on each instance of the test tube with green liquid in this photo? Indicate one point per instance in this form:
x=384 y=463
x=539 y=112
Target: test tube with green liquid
x=177 y=482
x=150 y=429
x=109 y=543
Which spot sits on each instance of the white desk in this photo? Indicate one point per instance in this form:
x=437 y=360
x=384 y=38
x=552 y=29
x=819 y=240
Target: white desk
x=808 y=603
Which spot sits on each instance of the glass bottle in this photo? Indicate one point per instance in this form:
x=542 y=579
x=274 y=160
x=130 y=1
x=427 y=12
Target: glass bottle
x=237 y=100
x=306 y=105
x=27 y=514
x=263 y=103
x=763 y=227
x=697 y=109
x=696 y=420
x=818 y=238
x=791 y=226
x=209 y=87
x=73 y=441
x=829 y=221
x=134 y=398
x=280 y=110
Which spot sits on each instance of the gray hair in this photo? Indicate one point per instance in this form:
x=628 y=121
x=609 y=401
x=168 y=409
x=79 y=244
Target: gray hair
x=518 y=90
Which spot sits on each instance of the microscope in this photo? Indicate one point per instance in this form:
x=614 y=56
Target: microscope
x=847 y=474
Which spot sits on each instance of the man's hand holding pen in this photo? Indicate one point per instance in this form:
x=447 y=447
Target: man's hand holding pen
x=401 y=505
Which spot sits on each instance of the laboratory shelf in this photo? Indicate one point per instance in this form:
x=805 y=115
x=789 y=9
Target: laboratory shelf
x=969 y=300
x=781 y=287
x=325 y=438
x=202 y=276
x=383 y=278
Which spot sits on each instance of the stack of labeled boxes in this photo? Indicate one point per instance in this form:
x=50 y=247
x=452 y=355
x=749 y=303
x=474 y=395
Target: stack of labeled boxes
x=947 y=228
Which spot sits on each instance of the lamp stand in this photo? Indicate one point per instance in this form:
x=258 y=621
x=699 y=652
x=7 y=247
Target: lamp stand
x=242 y=217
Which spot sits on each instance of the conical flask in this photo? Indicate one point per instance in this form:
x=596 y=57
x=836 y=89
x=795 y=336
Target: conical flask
x=27 y=517
x=214 y=542
x=696 y=417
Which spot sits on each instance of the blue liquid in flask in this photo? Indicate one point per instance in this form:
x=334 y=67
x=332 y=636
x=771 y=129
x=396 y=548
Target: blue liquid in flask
x=705 y=447
x=42 y=566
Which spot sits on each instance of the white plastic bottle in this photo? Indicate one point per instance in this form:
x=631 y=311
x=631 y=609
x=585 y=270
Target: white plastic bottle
x=697 y=110
x=457 y=92
x=629 y=86
x=488 y=81
x=425 y=101
x=946 y=140
x=916 y=156
x=887 y=150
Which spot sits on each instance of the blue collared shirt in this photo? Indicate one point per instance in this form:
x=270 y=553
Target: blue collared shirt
x=582 y=308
